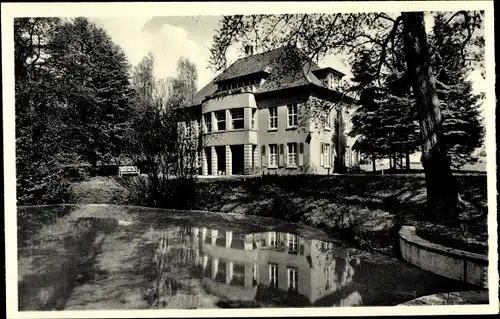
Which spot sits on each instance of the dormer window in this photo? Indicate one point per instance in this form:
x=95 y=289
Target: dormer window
x=254 y=81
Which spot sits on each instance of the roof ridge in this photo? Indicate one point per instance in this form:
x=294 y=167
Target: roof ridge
x=262 y=53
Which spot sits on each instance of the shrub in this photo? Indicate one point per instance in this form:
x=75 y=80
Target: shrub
x=42 y=185
x=178 y=193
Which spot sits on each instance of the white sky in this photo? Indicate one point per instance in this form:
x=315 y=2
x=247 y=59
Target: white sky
x=169 y=38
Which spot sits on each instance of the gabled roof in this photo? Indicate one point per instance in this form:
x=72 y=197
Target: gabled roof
x=287 y=67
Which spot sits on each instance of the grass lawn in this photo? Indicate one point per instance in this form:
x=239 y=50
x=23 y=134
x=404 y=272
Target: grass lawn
x=366 y=210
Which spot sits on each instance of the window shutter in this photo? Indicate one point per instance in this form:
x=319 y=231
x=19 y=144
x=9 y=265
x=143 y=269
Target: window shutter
x=286 y=155
x=263 y=155
x=332 y=155
x=301 y=154
x=322 y=158
x=281 y=154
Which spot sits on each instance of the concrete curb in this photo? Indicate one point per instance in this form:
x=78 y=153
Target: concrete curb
x=452 y=263
x=452 y=298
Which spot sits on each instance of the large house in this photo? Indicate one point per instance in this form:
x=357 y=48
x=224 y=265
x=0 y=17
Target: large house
x=275 y=112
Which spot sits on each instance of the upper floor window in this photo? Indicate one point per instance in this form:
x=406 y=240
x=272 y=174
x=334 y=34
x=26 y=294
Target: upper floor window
x=328 y=121
x=273 y=117
x=292 y=241
x=292 y=115
x=207 y=118
x=254 y=113
x=197 y=124
x=237 y=118
x=220 y=117
x=239 y=84
x=272 y=239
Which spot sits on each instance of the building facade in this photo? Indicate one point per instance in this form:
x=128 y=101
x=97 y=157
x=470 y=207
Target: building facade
x=271 y=113
x=273 y=265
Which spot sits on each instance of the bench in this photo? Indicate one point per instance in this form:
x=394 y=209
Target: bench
x=128 y=170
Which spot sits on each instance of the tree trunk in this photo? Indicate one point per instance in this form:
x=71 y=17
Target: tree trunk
x=374 y=163
x=390 y=161
x=442 y=189
x=407 y=161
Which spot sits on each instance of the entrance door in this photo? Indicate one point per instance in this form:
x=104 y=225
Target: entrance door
x=238 y=163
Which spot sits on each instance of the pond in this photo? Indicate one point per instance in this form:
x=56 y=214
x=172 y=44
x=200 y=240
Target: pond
x=115 y=257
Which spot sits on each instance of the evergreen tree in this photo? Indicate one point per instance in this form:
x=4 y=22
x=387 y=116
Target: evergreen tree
x=462 y=123
x=94 y=74
x=396 y=123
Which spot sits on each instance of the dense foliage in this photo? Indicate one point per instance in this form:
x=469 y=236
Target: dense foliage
x=78 y=106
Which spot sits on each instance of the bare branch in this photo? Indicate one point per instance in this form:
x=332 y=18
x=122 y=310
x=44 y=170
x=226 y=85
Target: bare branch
x=390 y=36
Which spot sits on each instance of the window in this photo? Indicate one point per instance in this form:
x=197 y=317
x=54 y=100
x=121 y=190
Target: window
x=327 y=277
x=328 y=122
x=327 y=155
x=255 y=275
x=220 y=117
x=237 y=117
x=292 y=242
x=208 y=122
x=254 y=112
x=273 y=117
x=272 y=239
x=263 y=155
x=273 y=275
x=293 y=278
x=273 y=155
x=198 y=126
x=292 y=115
x=292 y=154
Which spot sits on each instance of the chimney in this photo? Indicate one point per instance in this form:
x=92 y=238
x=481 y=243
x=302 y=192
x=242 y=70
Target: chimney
x=248 y=50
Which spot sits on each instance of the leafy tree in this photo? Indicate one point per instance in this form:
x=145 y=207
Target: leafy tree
x=93 y=77
x=167 y=152
x=379 y=35
x=71 y=96
x=40 y=154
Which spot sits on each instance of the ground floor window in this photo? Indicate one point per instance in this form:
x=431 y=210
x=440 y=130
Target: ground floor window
x=327 y=155
x=327 y=277
x=273 y=155
x=293 y=278
x=273 y=275
x=292 y=154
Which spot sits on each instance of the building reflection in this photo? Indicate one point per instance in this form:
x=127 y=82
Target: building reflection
x=274 y=267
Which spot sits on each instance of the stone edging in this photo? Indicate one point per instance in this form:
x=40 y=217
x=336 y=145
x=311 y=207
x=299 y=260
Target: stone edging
x=452 y=263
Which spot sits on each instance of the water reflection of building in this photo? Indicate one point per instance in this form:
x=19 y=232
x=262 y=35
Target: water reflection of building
x=271 y=266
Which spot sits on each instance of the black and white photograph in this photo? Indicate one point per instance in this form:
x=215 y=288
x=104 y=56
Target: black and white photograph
x=251 y=159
